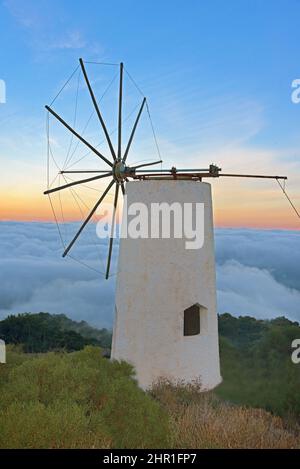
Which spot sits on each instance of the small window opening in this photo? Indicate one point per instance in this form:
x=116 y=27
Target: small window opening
x=192 y=320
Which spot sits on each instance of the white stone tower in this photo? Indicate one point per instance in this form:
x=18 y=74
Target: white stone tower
x=165 y=317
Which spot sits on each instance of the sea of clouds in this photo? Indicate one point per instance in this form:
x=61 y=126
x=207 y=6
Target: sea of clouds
x=258 y=273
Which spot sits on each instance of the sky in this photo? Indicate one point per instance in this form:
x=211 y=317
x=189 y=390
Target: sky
x=217 y=75
x=218 y=80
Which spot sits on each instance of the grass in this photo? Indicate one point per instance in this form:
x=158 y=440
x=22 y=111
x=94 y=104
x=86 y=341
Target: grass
x=202 y=420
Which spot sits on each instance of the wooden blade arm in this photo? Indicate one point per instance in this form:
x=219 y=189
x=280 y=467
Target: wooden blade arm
x=111 y=240
x=88 y=218
x=74 y=183
x=133 y=130
x=60 y=119
x=97 y=109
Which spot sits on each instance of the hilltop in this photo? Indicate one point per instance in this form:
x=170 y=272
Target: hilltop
x=43 y=332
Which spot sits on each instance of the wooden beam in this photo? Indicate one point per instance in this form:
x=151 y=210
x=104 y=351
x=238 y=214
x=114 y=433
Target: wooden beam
x=60 y=119
x=74 y=183
x=120 y=113
x=97 y=109
x=88 y=218
x=133 y=131
x=111 y=240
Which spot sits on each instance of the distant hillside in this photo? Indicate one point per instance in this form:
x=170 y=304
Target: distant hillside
x=103 y=336
x=44 y=332
x=256 y=364
x=246 y=331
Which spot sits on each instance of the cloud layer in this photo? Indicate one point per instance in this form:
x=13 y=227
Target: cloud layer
x=257 y=273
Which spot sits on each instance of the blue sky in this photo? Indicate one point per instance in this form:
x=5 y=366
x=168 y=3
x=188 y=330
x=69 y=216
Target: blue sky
x=217 y=76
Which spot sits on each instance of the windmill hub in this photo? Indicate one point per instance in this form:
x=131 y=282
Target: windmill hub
x=121 y=171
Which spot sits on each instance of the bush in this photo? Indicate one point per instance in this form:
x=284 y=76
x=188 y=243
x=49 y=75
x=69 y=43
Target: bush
x=80 y=399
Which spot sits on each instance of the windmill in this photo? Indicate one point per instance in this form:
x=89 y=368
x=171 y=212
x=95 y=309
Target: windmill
x=165 y=313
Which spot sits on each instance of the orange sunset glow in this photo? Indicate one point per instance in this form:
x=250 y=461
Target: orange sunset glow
x=233 y=207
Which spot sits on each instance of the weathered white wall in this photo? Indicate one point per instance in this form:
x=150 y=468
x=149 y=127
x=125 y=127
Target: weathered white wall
x=2 y=351
x=157 y=280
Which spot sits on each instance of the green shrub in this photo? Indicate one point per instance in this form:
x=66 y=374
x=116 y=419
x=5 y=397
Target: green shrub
x=77 y=400
x=61 y=424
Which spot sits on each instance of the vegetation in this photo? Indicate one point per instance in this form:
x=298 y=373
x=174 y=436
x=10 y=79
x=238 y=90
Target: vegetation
x=201 y=420
x=80 y=399
x=76 y=400
x=44 y=332
x=256 y=364
x=255 y=355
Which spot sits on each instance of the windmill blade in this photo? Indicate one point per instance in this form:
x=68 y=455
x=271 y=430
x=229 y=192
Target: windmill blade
x=259 y=176
x=111 y=240
x=133 y=130
x=85 y=171
x=78 y=136
x=147 y=164
x=97 y=109
x=120 y=113
x=123 y=187
x=88 y=218
x=74 y=183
